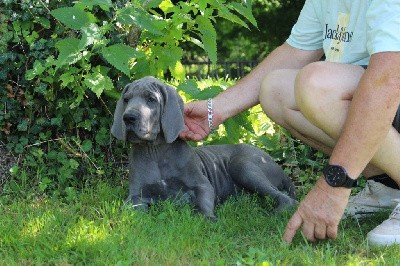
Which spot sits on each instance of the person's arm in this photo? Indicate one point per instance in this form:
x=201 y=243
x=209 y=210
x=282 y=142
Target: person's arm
x=245 y=93
x=370 y=116
x=248 y=88
x=371 y=113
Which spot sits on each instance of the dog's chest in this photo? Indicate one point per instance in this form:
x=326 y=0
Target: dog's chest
x=168 y=183
x=168 y=168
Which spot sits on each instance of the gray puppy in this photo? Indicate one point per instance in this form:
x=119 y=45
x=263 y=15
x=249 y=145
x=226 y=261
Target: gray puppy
x=149 y=115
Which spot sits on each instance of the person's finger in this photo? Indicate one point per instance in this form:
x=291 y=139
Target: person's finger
x=188 y=135
x=331 y=232
x=309 y=231
x=320 y=232
x=292 y=227
x=196 y=137
x=183 y=133
x=187 y=108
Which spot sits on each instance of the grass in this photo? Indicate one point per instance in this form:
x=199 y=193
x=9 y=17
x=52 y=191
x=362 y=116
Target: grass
x=96 y=228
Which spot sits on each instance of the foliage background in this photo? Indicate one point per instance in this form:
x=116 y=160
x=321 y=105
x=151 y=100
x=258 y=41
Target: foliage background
x=275 y=19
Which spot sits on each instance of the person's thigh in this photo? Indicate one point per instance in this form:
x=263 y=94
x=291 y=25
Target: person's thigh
x=323 y=92
x=279 y=104
x=277 y=95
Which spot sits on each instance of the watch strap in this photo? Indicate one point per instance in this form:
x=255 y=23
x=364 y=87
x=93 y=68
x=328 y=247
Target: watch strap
x=350 y=182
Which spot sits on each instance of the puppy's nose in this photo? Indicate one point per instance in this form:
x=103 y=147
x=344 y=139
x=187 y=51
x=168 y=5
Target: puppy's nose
x=130 y=119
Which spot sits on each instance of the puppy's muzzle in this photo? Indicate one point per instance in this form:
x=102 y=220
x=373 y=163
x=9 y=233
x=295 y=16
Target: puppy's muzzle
x=135 y=129
x=131 y=119
x=132 y=124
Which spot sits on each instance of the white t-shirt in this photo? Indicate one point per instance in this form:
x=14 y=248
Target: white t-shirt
x=349 y=31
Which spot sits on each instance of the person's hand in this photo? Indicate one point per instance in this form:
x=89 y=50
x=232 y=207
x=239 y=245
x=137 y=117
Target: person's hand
x=196 y=123
x=319 y=213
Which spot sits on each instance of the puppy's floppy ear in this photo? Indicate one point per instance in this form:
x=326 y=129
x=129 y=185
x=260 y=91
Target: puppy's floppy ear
x=118 y=128
x=172 y=117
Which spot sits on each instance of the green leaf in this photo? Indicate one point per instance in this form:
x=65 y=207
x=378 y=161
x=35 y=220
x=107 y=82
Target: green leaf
x=143 y=68
x=208 y=37
x=90 y=34
x=56 y=121
x=269 y=143
x=69 y=51
x=167 y=56
x=226 y=14
x=118 y=55
x=45 y=22
x=104 y=4
x=245 y=11
x=209 y=92
x=189 y=87
x=103 y=136
x=197 y=42
x=178 y=71
x=73 y=164
x=23 y=126
x=66 y=78
x=86 y=145
x=52 y=155
x=202 y=4
x=232 y=130
x=243 y=120
x=166 y=5
x=44 y=183
x=37 y=69
x=72 y=17
x=150 y=3
x=97 y=83
x=138 y=16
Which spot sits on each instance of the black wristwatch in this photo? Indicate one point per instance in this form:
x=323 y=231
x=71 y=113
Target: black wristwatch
x=336 y=176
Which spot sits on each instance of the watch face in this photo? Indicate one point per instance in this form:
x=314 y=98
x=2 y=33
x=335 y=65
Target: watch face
x=335 y=175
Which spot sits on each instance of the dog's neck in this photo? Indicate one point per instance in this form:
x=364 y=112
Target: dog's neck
x=155 y=151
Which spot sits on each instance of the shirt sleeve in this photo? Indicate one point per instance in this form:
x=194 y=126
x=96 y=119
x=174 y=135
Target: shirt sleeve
x=383 y=26
x=307 y=33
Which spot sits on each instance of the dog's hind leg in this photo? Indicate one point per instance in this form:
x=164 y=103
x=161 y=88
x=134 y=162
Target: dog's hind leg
x=253 y=178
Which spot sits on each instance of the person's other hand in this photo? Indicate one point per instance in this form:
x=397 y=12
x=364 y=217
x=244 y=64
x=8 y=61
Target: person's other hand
x=319 y=213
x=196 y=122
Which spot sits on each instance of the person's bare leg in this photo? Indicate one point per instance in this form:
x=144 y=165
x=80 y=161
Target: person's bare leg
x=326 y=107
x=324 y=91
x=278 y=102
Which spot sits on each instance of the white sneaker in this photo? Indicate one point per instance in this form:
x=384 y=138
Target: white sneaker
x=375 y=197
x=388 y=232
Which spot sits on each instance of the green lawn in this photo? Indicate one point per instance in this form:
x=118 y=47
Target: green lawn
x=96 y=228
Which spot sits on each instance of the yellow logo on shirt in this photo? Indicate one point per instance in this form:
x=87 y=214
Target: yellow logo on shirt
x=338 y=36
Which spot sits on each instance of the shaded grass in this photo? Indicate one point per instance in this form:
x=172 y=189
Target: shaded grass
x=96 y=228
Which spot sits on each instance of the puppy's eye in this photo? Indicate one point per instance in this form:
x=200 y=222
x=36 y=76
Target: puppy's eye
x=126 y=100
x=151 y=99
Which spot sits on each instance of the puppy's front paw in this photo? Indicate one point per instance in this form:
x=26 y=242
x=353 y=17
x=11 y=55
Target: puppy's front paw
x=212 y=219
x=137 y=205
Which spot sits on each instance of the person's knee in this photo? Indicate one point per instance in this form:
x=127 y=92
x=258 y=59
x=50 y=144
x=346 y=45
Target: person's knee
x=310 y=90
